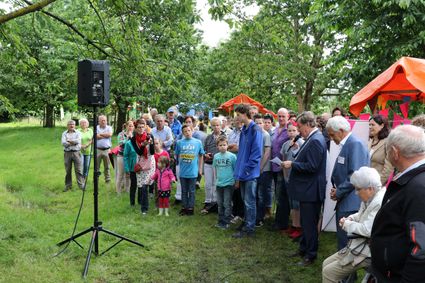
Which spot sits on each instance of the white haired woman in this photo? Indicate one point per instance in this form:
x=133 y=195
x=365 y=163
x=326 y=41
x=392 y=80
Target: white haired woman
x=356 y=254
x=86 y=141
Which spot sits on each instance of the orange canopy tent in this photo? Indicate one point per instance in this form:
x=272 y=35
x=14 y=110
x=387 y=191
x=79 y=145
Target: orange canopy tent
x=244 y=99
x=404 y=79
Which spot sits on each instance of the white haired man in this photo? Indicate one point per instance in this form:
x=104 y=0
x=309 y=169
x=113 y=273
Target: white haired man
x=398 y=233
x=353 y=154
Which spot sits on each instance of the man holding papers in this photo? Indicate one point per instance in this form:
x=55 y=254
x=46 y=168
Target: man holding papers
x=307 y=184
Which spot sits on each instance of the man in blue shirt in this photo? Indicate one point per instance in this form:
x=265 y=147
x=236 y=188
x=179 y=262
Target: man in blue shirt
x=247 y=168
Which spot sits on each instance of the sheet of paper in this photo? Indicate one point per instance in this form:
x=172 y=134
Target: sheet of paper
x=276 y=160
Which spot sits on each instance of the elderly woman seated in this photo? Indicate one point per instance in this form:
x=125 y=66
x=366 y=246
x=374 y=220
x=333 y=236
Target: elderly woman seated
x=356 y=254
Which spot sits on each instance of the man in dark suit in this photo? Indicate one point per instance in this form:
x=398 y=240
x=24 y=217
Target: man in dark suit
x=353 y=155
x=307 y=184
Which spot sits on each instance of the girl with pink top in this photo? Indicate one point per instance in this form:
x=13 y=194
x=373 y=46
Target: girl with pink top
x=164 y=177
x=159 y=151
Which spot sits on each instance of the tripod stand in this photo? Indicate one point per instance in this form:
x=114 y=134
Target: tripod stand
x=97 y=225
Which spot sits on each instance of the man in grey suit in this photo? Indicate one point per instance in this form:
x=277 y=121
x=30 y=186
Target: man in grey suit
x=353 y=155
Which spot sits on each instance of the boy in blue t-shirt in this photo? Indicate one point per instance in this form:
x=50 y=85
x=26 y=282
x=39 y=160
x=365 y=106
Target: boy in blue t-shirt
x=189 y=152
x=224 y=166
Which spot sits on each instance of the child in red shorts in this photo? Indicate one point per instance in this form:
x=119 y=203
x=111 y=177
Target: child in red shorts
x=164 y=177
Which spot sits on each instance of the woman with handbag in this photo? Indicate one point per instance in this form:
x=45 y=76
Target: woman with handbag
x=139 y=164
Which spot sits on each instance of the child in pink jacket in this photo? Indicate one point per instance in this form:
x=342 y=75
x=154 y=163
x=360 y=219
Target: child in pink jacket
x=164 y=177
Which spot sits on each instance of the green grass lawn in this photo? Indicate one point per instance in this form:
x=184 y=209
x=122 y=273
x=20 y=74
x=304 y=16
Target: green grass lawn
x=36 y=214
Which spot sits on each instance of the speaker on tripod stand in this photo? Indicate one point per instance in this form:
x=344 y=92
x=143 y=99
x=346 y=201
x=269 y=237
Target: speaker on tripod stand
x=93 y=90
x=93 y=83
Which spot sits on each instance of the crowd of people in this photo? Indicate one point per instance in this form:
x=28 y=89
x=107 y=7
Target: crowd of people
x=248 y=163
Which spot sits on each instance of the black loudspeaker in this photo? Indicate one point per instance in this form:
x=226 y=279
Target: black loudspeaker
x=93 y=83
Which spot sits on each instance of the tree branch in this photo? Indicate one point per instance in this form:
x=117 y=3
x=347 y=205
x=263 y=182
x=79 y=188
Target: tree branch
x=103 y=26
x=71 y=26
x=25 y=10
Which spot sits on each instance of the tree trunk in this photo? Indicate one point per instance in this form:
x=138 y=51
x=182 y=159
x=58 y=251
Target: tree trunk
x=299 y=96
x=49 y=116
x=307 y=94
x=122 y=117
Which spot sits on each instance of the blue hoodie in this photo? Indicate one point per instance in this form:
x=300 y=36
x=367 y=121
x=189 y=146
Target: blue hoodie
x=250 y=153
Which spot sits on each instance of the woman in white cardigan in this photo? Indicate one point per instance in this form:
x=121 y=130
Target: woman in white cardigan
x=356 y=254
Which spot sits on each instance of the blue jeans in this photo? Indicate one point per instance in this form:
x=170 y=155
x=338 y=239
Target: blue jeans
x=188 y=192
x=86 y=164
x=263 y=188
x=224 y=202
x=269 y=194
x=249 y=197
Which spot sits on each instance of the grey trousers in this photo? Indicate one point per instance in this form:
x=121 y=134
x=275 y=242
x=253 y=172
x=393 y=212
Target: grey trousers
x=69 y=158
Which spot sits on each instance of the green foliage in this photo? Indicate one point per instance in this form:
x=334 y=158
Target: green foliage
x=290 y=54
x=37 y=70
x=374 y=35
x=36 y=215
x=277 y=57
x=293 y=52
x=7 y=110
x=151 y=46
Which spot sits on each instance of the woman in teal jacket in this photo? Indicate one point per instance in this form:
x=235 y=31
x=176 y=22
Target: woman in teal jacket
x=140 y=144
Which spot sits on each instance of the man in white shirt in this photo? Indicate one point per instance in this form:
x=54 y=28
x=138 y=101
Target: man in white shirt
x=104 y=143
x=163 y=132
x=71 y=142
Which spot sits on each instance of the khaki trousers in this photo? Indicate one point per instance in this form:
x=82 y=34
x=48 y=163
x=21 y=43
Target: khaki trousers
x=122 y=181
x=103 y=155
x=333 y=272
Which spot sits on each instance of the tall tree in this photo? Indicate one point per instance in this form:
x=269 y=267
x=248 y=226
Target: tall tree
x=374 y=34
x=151 y=46
x=281 y=51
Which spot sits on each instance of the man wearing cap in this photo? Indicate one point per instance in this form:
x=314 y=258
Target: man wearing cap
x=71 y=142
x=175 y=125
